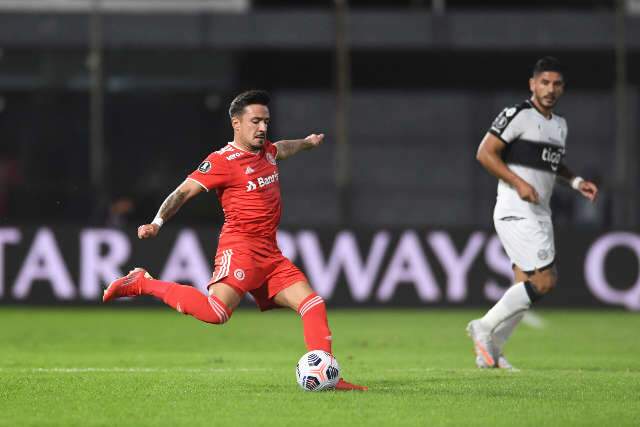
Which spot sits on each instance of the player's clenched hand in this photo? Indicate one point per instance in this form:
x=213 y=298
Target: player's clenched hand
x=314 y=140
x=148 y=230
x=527 y=192
x=589 y=190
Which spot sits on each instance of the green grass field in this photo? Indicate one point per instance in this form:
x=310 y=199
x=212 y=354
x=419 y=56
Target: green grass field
x=106 y=366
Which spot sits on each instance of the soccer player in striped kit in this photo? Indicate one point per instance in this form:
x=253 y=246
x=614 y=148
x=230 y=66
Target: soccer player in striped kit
x=245 y=176
x=524 y=149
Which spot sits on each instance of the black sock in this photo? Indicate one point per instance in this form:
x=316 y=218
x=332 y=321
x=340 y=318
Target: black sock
x=531 y=291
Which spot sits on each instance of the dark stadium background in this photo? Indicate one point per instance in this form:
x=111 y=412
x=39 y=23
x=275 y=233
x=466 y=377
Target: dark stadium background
x=404 y=91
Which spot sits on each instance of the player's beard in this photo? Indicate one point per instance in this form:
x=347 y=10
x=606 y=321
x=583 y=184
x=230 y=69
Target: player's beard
x=547 y=102
x=255 y=144
x=258 y=141
x=252 y=143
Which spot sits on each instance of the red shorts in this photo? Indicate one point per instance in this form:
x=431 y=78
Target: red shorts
x=263 y=276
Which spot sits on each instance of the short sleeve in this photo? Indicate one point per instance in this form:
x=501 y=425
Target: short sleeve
x=213 y=172
x=508 y=125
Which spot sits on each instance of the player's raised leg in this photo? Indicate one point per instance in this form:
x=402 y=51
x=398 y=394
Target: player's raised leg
x=215 y=308
x=312 y=309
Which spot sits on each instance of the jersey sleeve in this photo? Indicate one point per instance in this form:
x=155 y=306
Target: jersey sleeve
x=213 y=172
x=508 y=125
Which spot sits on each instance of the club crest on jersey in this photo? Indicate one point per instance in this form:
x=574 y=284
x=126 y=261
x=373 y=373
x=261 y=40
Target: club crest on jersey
x=239 y=274
x=271 y=159
x=204 y=166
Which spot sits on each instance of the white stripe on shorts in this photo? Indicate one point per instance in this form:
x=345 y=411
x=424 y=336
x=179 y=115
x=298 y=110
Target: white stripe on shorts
x=225 y=262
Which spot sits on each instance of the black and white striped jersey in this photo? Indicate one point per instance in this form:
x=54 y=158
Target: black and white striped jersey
x=535 y=146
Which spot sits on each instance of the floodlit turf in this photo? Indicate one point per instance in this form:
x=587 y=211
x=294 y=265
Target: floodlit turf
x=109 y=366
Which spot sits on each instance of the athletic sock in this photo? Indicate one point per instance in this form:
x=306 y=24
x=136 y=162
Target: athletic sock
x=504 y=330
x=313 y=312
x=188 y=300
x=516 y=300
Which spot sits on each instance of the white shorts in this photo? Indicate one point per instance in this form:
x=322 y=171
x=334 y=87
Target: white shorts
x=528 y=242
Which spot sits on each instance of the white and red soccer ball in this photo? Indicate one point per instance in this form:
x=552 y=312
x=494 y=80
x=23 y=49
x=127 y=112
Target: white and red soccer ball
x=317 y=370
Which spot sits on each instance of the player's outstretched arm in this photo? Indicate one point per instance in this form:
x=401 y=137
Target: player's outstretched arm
x=490 y=157
x=185 y=191
x=287 y=148
x=587 y=188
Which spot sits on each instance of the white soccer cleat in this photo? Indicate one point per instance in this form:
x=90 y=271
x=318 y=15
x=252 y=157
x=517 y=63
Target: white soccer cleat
x=482 y=343
x=503 y=363
x=481 y=364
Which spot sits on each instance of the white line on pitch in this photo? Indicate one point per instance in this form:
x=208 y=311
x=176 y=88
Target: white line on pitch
x=132 y=370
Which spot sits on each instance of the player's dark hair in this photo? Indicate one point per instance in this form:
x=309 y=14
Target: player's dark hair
x=249 y=97
x=548 y=63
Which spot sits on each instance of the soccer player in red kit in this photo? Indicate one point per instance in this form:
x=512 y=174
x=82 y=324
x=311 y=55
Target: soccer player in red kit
x=244 y=174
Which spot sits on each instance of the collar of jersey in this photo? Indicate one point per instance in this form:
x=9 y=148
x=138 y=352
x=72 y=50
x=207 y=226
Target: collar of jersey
x=240 y=149
x=535 y=107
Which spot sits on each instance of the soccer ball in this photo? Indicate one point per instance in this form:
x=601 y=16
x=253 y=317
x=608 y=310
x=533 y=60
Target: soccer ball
x=317 y=370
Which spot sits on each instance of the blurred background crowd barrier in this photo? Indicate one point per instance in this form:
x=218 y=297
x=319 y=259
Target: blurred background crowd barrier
x=106 y=105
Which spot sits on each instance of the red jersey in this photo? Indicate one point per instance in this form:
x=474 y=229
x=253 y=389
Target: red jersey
x=248 y=188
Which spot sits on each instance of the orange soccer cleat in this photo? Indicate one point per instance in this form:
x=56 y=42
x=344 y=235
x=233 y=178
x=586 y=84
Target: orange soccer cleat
x=127 y=286
x=345 y=386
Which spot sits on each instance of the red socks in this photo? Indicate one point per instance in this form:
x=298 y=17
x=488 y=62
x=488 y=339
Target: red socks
x=317 y=335
x=188 y=300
